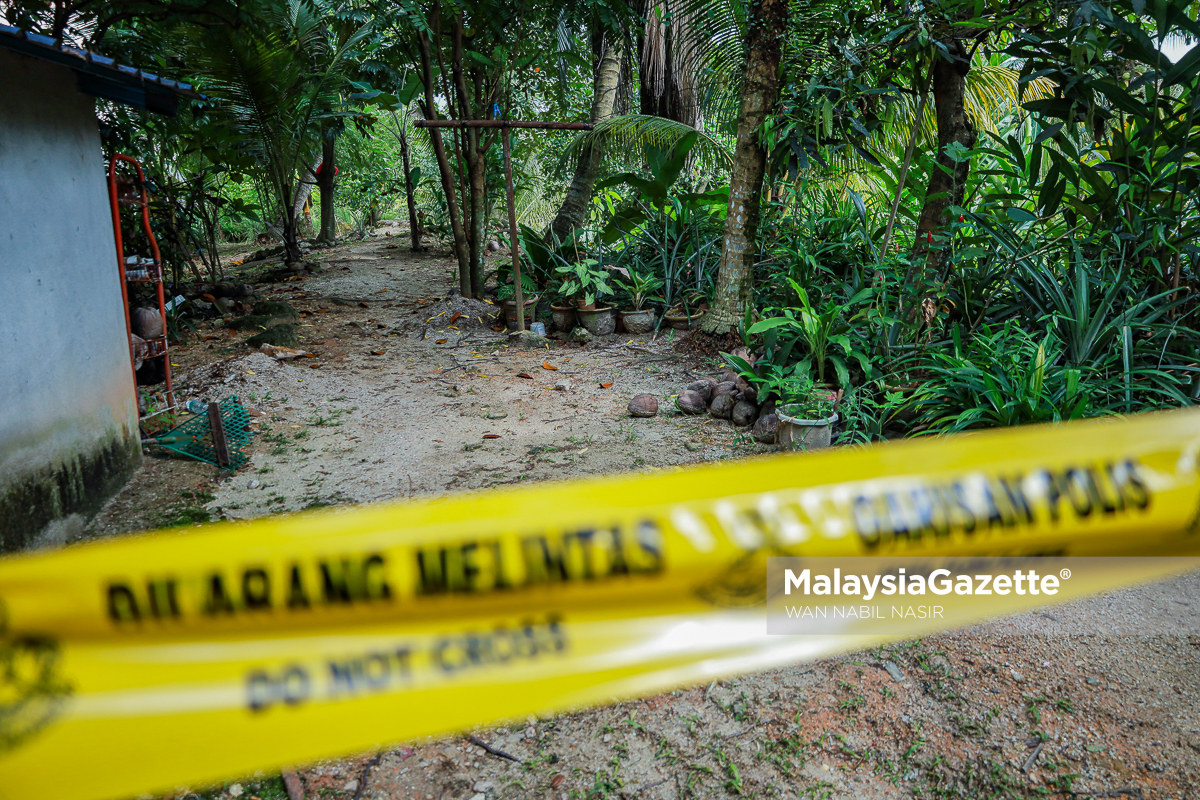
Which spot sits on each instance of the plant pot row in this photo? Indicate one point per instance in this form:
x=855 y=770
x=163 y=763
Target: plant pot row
x=602 y=321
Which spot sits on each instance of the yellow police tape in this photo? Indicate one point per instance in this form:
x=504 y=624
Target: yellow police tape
x=151 y=662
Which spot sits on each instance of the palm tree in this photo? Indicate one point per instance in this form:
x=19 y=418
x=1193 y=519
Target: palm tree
x=280 y=81
x=766 y=27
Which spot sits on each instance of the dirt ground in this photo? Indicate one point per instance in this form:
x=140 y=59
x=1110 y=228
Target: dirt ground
x=397 y=400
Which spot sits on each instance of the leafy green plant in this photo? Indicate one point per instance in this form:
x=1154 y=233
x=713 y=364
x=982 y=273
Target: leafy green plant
x=819 y=330
x=1002 y=376
x=639 y=284
x=585 y=279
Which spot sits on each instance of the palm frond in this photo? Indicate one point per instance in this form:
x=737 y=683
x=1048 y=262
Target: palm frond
x=630 y=131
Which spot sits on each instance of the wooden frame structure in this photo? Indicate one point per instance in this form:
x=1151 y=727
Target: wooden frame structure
x=505 y=125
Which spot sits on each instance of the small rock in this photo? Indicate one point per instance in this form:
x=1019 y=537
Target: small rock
x=312 y=266
x=580 y=336
x=693 y=446
x=765 y=429
x=725 y=387
x=750 y=393
x=894 y=671
x=728 y=376
x=692 y=402
x=722 y=406
x=531 y=733
x=643 y=405
x=767 y=408
x=236 y=790
x=351 y=786
x=285 y=335
x=483 y=786
x=1093 y=681
x=562 y=386
x=253 y=484
x=608 y=737
x=223 y=305
x=702 y=388
x=744 y=412
x=1016 y=676
x=479 y=796
x=911 y=775
x=526 y=339
x=497 y=414
x=281 y=353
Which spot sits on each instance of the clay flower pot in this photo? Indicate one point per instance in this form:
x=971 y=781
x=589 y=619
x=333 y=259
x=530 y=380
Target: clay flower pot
x=597 y=321
x=680 y=320
x=640 y=321
x=564 y=317
x=510 y=312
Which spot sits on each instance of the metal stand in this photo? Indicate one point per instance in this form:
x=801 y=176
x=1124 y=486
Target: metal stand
x=144 y=271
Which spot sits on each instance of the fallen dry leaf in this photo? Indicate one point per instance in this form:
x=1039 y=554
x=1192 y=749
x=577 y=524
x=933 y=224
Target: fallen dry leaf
x=381 y=291
x=206 y=338
x=525 y=375
x=558 y=780
x=606 y=385
x=315 y=366
x=322 y=310
x=498 y=328
x=364 y=305
x=441 y=341
x=491 y=436
x=548 y=365
x=380 y=352
x=457 y=314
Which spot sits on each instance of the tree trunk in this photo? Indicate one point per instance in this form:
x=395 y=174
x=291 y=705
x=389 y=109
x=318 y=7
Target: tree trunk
x=304 y=189
x=325 y=184
x=735 y=276
x=414 y=223
x=477 y=177
x=439 y=152
x=573 y=211
x=948 y=180
x=291 y=244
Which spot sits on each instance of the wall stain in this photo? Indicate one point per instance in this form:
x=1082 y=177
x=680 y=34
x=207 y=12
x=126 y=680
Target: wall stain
x=79 y=485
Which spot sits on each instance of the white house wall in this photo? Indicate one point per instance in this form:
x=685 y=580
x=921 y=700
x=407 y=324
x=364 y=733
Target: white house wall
x=68 y=411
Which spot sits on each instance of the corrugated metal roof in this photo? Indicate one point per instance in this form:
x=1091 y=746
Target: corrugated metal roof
x=99 y=75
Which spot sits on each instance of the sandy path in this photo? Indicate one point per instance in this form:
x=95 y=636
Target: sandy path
x=397 y=403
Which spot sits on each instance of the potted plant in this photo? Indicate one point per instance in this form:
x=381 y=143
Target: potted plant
x=806 y=412
x=684 y=316
x=638 y=285
x=505 y=293
x=563 y=314
x=587 y=282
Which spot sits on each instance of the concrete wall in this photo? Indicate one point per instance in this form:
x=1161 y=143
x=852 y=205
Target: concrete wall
x=68 y=410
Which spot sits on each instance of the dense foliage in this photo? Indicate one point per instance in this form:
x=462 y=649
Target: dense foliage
x=972 y=213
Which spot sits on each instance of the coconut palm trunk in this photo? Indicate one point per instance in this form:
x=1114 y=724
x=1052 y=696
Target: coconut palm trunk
x=573 y=211
x=760 y=87
x=948 y=181
x=325 y=185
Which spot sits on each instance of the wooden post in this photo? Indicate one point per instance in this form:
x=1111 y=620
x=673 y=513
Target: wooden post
x=220 y=445
x=515 y=243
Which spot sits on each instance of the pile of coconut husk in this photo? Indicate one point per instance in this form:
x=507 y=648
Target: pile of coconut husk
x=732 y=397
